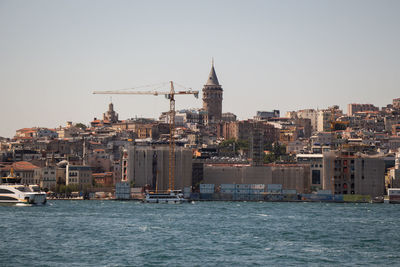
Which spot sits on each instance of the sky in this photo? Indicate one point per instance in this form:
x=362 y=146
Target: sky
x=285 y=55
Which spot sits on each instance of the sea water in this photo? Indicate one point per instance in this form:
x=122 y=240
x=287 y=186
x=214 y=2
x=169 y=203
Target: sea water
x=112 y=233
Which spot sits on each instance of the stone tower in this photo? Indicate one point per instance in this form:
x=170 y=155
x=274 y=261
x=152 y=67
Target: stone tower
x=212 y=98
x=110 y=115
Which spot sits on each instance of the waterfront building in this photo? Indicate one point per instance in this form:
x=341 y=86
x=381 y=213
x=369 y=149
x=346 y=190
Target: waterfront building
x=212 y=98
x=104 y=179
x=347 y=172
x=47 y=177
x=79 y=175
x=290 y=176
x=393 y=178
x=149 y=166
x=316 y=169
x=22 y=169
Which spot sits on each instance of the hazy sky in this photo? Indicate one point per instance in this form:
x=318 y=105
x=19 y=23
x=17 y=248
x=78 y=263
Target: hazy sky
x=285 y=55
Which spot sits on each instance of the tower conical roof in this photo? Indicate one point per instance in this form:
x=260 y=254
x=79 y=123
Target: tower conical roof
x=212 y=77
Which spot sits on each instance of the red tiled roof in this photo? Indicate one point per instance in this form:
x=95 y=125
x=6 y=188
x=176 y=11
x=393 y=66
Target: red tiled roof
x=20 y=166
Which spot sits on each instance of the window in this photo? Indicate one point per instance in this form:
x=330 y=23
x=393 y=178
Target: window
x=5 y=191
x=7 y=198
x=316 y=177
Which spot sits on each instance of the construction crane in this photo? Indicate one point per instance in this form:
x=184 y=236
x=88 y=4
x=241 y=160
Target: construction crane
x=171 y=96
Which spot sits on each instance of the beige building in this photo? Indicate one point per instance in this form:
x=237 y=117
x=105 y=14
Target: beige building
x=47 y=177
x=354 y=173
x=393 y=178
x=293 y=176
x=69 y=131
x=310 y=114
x=23 y=169
x=354 y=108
x=242 y=130
x=316 y=169
x=149 y=165
x=324 y=121
x=99 y=160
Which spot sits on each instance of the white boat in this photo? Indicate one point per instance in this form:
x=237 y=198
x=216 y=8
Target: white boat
x=169 y=198
x=12 y=191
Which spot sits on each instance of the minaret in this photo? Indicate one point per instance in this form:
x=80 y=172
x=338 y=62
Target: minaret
x=212 y=97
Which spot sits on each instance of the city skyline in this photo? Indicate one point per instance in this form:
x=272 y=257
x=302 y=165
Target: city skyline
x=268 y=55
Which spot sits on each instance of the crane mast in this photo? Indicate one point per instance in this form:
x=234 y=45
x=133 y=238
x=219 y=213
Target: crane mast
x=171 y=96
x=171 y=176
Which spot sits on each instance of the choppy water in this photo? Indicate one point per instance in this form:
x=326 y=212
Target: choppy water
x=110 y=233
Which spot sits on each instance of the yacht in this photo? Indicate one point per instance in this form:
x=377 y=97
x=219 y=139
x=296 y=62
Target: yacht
x=12 y=191
x=169 y=198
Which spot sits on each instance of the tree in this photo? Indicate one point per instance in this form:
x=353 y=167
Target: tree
x=277 y=151
x=269 y=158
x=232 y=146
x=81 y=125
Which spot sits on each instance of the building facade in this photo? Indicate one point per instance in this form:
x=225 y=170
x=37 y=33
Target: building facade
x=290 y=176
x=316 y=169
x=23 y=169
x=353 y=173
x=354 y=108
x=149 y=166
x=79 y=175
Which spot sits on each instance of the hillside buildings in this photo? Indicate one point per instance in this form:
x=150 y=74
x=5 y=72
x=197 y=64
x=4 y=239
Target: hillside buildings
x=307 y=151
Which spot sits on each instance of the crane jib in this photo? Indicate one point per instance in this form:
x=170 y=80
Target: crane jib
x=171 y=96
